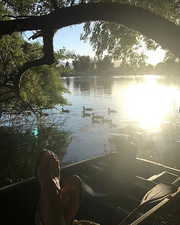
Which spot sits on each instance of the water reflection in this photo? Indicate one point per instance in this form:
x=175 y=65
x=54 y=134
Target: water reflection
x=142 y=105
x=146 y=113
x=20 y=146
x=149 y=103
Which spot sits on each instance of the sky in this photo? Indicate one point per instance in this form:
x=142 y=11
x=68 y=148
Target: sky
x=69 y=37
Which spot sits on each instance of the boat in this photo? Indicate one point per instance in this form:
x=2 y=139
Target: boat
x=118 y=189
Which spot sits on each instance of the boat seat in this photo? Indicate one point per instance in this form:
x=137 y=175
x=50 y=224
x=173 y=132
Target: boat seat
x=152 y=198
x=177 y=182
x=157 y=193
x=163 y=177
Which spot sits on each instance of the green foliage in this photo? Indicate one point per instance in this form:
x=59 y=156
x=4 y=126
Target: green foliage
x=120 y=41
x=11 y=53
x=20 y=150
x=83 y=64
x=117 y=40
x=42 y=87
x=104 y=66
x=34 y=7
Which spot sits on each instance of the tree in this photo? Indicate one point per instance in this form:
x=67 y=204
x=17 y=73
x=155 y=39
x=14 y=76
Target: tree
x=47 y=16
x=42 y=87
x=39 y=87
x=104 y=66
x=83 y=64
x=120 y=41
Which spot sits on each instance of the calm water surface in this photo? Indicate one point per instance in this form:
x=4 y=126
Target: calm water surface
x=148 y=106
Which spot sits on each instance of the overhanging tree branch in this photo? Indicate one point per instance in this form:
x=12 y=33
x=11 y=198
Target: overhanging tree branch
x=167 y=34
x=48 y=57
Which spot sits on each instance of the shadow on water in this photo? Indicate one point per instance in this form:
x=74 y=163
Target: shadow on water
x=20 y=148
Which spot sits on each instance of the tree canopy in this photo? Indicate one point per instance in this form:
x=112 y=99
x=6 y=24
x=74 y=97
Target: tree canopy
x=120 y=26
x=120 y=41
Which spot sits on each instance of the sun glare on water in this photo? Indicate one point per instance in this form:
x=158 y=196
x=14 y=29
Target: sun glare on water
x=149 y=103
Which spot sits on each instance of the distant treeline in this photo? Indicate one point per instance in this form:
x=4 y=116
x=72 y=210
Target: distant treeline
x=85 y=66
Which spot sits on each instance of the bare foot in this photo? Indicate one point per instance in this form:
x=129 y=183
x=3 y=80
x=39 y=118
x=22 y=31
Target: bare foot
x=71 y=194
x=57 y=205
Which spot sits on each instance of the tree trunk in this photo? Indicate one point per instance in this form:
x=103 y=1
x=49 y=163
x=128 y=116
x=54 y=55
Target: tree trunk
x=167 y=34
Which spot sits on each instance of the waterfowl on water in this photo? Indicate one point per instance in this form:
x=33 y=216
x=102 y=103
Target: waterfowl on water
x=111 y=110
x=95 y=120
x=44 y=114
x=85 y=114
x=65 y=110
x=94 y=116
x=87 y=109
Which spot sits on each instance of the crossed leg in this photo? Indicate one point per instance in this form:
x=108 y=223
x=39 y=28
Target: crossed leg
x=58 y=203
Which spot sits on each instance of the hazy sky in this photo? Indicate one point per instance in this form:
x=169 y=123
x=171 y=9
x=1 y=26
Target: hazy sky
x=69 y=37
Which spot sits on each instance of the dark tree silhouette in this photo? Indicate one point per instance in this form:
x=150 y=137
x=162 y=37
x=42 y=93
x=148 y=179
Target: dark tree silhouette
x=164 y=32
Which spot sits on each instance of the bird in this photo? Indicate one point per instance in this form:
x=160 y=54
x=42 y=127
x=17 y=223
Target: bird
x=95 y=120
x=85 y=114
x=44 y=114
x=94 y=116
x=111 y=111
x=87 y=109
x=65 y=110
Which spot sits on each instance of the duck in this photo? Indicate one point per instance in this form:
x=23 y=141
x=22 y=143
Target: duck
x=65 y=110
x=95 y=120
x=94 y=116
x=44 y=114
x=87 y=109
x=111 y=111
x=85 y=114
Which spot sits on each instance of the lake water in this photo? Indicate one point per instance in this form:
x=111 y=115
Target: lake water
x=148 y=105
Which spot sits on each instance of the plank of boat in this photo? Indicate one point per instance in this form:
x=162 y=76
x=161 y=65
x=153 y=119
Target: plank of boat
x=156 y=208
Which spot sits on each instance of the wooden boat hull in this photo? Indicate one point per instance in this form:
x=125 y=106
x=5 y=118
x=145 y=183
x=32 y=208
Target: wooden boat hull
x=122 y=180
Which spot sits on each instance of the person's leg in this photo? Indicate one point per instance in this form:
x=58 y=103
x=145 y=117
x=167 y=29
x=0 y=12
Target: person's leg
x=58 y=205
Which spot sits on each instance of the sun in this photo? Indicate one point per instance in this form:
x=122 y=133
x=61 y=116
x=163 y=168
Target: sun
x=149 y=103
x=155 y=56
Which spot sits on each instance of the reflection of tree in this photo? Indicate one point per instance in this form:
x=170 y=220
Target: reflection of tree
x=67 y=81
x=20 y=149
x=85 y=85
x=77 y=82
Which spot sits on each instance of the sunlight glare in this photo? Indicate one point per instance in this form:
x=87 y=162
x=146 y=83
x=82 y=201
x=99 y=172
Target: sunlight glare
x=155 y=56
x=148 y=103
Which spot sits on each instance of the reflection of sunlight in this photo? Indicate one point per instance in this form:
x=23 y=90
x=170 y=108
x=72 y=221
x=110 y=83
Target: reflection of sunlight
x=155 y=56
x=148 y=103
